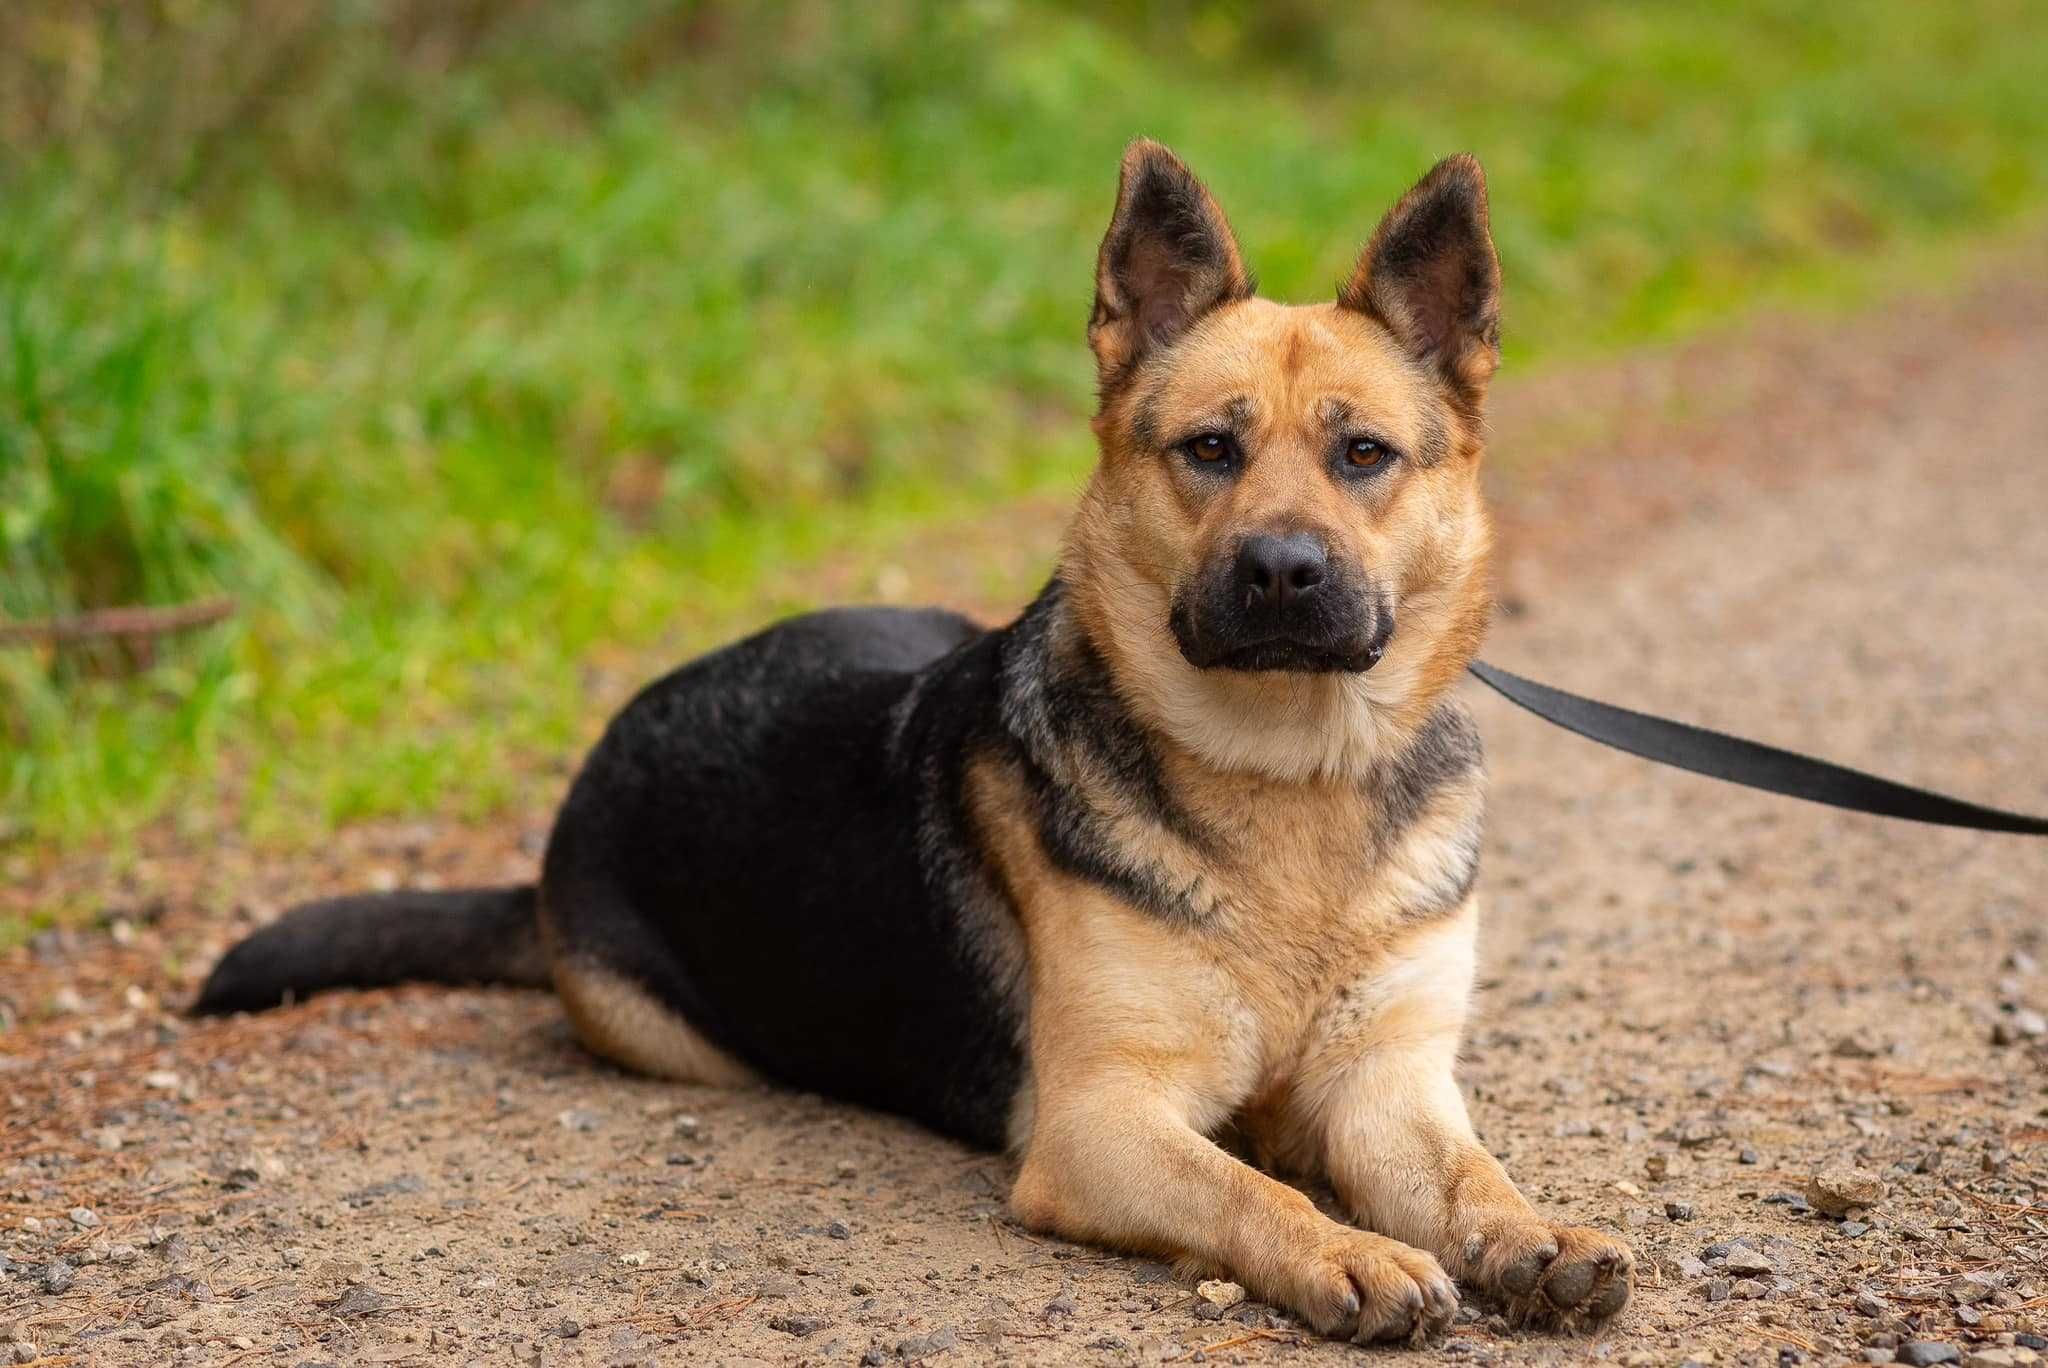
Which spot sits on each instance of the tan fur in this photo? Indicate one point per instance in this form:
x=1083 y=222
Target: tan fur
x=622 y=1022
x=1304 y=1010
x=1296 y=1015
x=1146 y=523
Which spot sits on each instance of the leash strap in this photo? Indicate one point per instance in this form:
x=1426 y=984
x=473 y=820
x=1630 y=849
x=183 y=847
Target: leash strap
x=1752 y=764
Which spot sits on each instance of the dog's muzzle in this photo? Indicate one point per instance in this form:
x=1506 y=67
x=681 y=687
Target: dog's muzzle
x=1282 y=602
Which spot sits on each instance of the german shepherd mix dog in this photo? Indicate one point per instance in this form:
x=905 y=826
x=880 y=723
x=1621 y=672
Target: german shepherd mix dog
x=1185 y=851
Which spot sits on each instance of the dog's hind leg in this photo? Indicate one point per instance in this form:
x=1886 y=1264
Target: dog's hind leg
x=613 y=998
x=623 y=1022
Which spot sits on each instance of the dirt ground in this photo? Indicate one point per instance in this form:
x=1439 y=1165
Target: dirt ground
x=1695 y=998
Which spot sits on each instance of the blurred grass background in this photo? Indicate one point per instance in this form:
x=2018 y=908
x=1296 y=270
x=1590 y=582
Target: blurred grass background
x=460 y=341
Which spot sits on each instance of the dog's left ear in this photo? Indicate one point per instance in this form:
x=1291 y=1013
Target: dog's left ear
x=1168 y=258
x=1430 y=275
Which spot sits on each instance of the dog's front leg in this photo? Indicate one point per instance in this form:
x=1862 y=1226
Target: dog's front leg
x=1112 y=1160
x=1140 y=1044
x=1403 y=1157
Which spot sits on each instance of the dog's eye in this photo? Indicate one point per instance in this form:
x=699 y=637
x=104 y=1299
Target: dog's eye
x=1211 y=448
x=1365 y=453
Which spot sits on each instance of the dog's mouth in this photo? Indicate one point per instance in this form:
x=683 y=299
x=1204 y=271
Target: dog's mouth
x=1286 y=654
x=1294 y=657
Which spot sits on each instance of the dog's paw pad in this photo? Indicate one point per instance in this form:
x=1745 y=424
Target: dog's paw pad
x=1566 y=1277
x=1373 y=1290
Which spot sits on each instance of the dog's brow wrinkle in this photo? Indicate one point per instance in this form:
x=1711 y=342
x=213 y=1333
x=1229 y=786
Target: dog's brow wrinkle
x=1145 y=421
x=1436 y=441
x=1238 y=410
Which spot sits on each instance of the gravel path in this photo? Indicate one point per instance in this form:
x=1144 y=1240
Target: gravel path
x=1696 y=998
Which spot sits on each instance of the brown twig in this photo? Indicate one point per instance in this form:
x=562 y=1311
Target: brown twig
x=1787 y=1337
x=119 y=622
x=1278 y=1336
x=702 y=1316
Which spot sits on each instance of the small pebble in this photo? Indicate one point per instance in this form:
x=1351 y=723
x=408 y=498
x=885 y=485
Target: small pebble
x=1844 y=1188
x=1925 y=1353
x=2022 y=1024
x=358 y=1300
x=1971 y=1288
x=1746 y=1262
x=925 y=1346
x=57 y=1277
x=85 y=1218
x=798 y=1325
x=1678 y=1211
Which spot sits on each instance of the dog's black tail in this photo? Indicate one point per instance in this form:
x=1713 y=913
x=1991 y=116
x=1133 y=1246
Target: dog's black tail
x=470 y=935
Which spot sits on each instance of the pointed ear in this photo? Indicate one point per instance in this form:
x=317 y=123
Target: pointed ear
x=1168 y=258
x=1430 y=275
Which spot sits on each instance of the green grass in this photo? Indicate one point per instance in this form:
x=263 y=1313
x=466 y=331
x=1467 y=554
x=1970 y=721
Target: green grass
x=466 y=343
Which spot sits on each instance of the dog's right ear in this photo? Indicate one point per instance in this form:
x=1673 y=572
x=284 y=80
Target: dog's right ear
x=1169 y=257
x=1431 y=277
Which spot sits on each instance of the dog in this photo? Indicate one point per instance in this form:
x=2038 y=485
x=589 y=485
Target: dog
x=1185 y=853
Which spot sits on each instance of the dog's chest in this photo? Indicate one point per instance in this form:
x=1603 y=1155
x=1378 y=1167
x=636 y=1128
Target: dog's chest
x=1302 y=897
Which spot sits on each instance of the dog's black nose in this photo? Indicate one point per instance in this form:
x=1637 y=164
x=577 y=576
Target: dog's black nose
x=1275 y=572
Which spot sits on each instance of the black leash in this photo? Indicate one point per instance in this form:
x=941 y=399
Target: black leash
x=1720 y=756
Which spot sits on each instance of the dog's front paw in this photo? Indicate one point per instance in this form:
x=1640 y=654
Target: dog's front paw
x=1567 y=1277
x=1368 y=1288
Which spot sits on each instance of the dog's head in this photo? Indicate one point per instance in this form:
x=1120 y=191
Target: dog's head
x=1288 y=497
